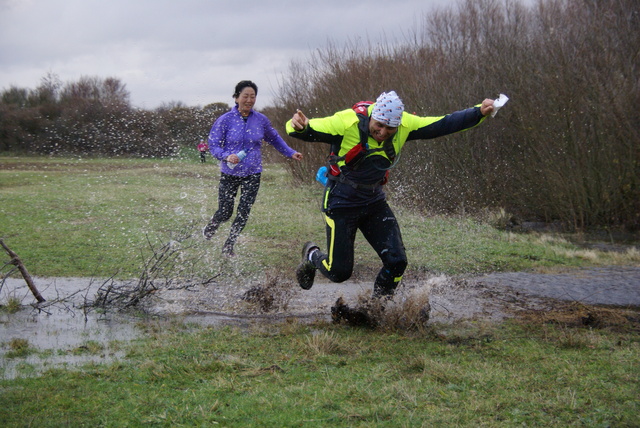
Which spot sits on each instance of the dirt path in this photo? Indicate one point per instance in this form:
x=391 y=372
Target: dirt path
x=611 y=285
x=491 y=297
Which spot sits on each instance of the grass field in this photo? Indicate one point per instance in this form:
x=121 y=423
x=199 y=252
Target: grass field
x=98 y=217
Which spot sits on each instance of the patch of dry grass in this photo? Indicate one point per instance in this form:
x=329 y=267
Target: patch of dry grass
x=405 y=310
x=323 y=343
x=579 y=315
x=273 y=295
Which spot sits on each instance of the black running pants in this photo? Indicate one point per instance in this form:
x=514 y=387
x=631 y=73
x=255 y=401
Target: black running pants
x=379 y=226
x=227 y=192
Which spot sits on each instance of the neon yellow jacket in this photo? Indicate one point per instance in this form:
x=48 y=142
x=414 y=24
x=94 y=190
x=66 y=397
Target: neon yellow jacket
x=341 y=132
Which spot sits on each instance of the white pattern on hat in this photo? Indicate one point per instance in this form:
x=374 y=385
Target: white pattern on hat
x=388 y=109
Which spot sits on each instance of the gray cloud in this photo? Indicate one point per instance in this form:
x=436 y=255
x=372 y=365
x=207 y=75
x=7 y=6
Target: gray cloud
x=193 y=51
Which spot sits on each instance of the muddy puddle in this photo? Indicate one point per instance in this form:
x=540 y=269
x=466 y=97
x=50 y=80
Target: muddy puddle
x=65 y=336
x=60 y=335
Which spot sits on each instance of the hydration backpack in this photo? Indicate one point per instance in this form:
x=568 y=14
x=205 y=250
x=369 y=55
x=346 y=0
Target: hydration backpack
x=361 y=150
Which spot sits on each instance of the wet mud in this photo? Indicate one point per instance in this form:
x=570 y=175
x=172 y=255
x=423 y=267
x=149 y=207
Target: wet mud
x=63 y=332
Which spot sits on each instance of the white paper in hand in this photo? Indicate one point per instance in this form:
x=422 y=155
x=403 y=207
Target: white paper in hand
x=502 y=100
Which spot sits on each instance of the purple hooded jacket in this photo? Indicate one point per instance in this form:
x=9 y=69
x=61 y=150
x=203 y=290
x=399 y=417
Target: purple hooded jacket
x=231 y=134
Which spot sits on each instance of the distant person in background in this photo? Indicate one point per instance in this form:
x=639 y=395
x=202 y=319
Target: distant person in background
x=203 y=149
x=236 y=140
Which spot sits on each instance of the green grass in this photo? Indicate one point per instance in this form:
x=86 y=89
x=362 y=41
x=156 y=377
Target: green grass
x=98 y=217
x=95 y=217
x=299 y=375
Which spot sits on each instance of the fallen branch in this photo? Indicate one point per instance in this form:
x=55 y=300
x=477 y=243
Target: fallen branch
x=15 y=260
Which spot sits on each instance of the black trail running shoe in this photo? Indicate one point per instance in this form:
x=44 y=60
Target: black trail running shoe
x=306 y=271
x=227 y=250
x=210 y=229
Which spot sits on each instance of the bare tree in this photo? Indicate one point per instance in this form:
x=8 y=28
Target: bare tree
x=566 y=148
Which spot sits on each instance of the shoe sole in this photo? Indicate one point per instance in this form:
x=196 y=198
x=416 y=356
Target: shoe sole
x=204 y=233
x=306 y=272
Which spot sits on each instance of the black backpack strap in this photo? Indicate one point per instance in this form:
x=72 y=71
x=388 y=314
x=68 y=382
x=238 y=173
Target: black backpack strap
x=387 y=145
x=358 y=186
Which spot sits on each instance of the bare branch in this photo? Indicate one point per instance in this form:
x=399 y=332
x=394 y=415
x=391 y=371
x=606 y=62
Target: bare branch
x=15 y=260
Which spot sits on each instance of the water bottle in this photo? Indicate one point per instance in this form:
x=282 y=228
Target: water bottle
x=321 y=175
x=241 y=155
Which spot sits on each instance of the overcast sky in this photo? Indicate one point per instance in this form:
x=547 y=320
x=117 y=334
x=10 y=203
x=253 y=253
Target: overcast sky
x=193 y=51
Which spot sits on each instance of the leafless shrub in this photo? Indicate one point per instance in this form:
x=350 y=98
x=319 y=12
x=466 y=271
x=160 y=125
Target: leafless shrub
x=56 y=302
x=93 y=116
x=169 y=267
x=564 y=149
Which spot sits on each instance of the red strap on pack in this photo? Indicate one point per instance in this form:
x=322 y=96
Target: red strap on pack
x=362 y=107
x=355 y=155
x=385 y=180
x=334 y=169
